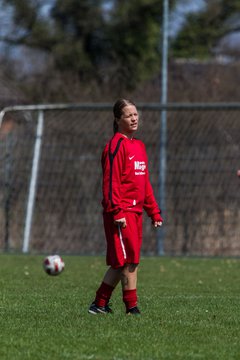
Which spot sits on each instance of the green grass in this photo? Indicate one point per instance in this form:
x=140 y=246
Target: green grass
x=190 y=310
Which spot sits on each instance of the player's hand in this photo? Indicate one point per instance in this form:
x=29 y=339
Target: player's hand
x=157 y=223
x=121 y=222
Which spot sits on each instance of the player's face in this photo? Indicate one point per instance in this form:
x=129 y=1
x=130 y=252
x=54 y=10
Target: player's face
x=128 y=123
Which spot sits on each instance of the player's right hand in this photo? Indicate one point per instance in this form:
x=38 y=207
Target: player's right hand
x=122 y=222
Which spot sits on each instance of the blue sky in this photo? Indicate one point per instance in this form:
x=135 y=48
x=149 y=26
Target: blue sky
x=176 y=19
x=178 y=15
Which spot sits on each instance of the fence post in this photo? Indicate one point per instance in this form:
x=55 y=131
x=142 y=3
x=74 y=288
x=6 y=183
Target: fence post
x=8 y=189
x=33 y=182
x=163 y=127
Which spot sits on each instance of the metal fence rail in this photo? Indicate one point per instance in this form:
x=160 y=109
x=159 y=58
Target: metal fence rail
x=50 y=177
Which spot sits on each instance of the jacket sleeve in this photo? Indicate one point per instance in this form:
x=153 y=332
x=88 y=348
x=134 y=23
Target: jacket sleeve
x=112 y=166
x=150 y=204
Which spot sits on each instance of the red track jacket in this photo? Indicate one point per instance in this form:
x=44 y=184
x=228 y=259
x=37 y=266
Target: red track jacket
x=126 y=185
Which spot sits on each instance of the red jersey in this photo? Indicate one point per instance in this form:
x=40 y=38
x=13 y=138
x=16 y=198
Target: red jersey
x=126 y=185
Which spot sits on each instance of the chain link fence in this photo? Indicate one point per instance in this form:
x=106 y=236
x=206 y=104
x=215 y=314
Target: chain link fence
x=50 y=178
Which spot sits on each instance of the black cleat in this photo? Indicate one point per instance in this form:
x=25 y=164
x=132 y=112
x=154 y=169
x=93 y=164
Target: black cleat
x=133 y=311
x=94 y=309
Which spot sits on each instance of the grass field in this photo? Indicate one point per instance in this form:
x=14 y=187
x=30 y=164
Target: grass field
x=190 y=310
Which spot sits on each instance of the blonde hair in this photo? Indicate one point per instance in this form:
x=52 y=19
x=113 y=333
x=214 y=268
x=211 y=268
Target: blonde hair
x=118 y=110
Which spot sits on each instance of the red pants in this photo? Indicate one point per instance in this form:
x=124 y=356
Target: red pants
x=123 y=244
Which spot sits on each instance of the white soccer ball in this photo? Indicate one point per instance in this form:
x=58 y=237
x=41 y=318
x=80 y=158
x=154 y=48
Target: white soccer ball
x=53 y=265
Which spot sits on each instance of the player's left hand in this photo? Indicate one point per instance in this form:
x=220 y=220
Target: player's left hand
x=157 y=223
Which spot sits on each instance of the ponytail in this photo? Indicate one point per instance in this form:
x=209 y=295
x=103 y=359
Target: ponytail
x=115 y=126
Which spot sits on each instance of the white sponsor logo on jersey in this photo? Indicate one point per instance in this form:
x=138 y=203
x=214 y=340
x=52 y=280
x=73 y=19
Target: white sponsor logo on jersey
x=140 y=166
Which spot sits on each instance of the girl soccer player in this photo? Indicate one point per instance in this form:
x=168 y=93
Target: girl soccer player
x=126 y=192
